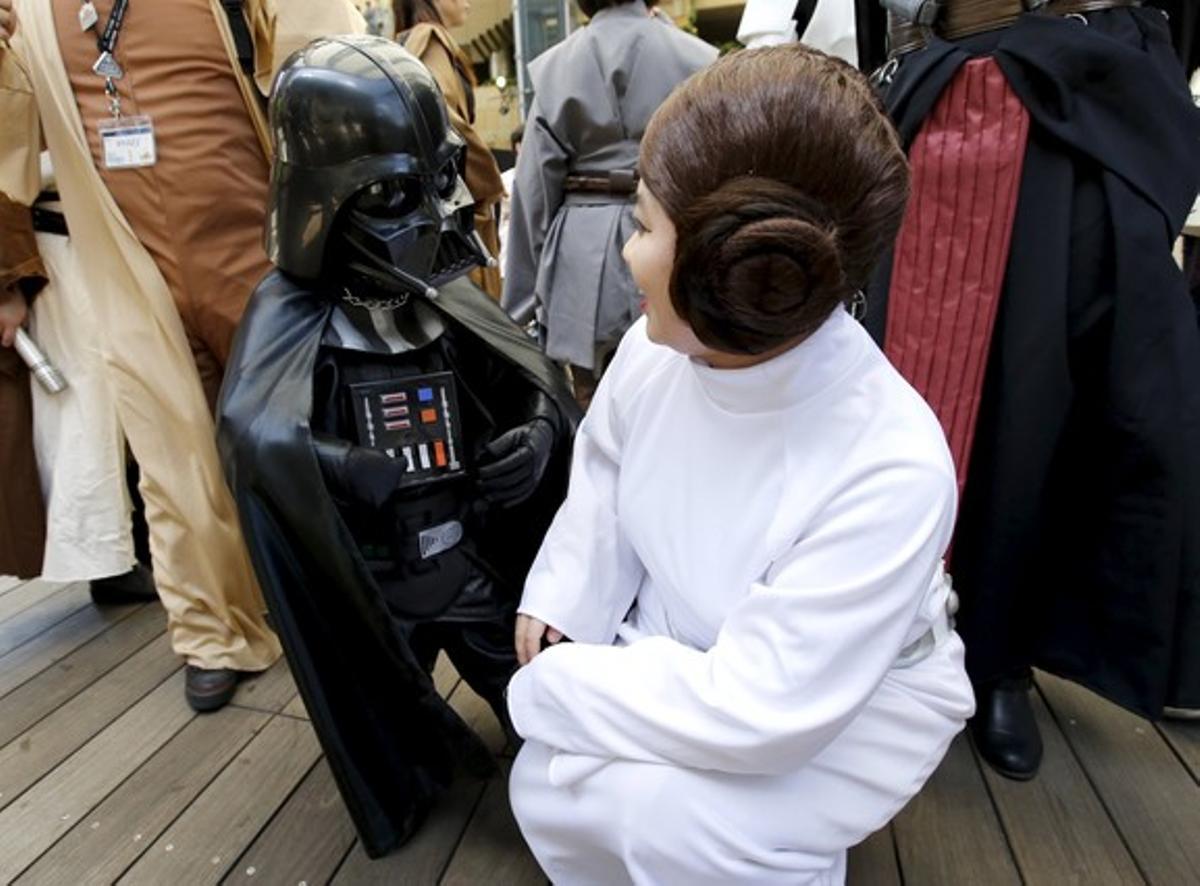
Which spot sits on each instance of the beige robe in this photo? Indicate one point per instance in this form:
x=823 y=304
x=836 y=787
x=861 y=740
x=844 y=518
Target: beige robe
x=202 y=570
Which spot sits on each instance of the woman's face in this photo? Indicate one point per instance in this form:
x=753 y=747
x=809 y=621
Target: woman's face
x=650 y=254
x=453 y=12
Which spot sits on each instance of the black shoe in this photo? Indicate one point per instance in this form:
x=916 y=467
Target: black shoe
x=209 y=690
x=1004 y=728
x=134 y=586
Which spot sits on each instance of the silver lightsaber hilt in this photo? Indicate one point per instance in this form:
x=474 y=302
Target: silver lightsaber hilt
x=489 y=259
x=39 y=364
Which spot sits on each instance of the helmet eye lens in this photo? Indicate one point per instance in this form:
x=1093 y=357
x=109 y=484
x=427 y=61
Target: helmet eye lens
x=390 y=198
x=446 y=180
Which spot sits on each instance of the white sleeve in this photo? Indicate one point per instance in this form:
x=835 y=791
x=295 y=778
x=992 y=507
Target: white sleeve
x=767 y=23
x=833 y=29
x=586 y=574
x=793 y=663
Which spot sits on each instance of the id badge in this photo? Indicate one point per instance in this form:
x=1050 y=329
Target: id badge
x=128 y=142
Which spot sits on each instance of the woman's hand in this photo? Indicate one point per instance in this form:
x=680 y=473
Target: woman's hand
x=529 y=637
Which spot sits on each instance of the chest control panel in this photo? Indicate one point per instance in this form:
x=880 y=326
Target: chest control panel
x=414 y=419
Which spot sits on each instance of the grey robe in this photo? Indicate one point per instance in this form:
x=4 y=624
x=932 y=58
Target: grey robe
x=594 y=93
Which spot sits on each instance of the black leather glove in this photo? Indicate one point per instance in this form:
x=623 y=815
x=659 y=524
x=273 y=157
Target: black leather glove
x=357 y=474
x=515 y=461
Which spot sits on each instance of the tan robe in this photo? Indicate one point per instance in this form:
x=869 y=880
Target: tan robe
x=209 y=250
x=201 y=567
x=437 y=50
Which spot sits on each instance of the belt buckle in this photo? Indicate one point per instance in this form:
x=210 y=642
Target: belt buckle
x=622 y=181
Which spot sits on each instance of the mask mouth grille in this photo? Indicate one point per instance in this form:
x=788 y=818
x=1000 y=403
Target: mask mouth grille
x=454 y=256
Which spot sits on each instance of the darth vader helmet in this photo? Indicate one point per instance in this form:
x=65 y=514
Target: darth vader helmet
x=366 y=183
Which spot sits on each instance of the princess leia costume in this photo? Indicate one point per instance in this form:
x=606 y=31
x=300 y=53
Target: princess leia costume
x=763 y=670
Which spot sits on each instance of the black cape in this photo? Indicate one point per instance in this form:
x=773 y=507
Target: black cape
x=1183 y=16
x=1184 y=19
x=392 y=743
x=1078 y=543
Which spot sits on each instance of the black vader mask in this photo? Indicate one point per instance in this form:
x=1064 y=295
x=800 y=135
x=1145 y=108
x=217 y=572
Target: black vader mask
x=409 y=232
x=366 y=184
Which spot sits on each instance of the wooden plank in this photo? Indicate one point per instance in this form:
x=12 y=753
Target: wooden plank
x=203 y=843
x=492 y=849
x=421 y=860
x=104 y=843
x=39 y=749
x=305 y=841
x=33 y=700
x=949 y=833
x=873 y=861
x=58 y=604
x=479 y=716
x=60 y=641
x=1150 y=796
x=1184 y=737
x=268 y=691
x=296 y=708
x=25 y=595
x=445 y=678
x=51 y=807
x=1057 y=827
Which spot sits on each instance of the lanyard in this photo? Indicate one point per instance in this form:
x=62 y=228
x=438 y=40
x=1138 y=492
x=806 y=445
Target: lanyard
x=106 y=65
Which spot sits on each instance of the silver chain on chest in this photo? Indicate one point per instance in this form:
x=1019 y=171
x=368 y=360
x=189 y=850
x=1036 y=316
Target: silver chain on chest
x=375 y=304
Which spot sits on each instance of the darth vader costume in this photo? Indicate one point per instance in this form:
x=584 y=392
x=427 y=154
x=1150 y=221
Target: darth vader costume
x=395 y=444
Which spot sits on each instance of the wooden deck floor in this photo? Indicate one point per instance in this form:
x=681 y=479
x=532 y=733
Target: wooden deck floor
x=107 y=776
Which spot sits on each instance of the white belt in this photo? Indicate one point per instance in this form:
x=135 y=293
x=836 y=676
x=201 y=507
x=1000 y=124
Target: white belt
x=942 y=627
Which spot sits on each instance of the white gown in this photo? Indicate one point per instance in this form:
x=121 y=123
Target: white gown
x=832 y=28
x=78 y=440
x=740 y=560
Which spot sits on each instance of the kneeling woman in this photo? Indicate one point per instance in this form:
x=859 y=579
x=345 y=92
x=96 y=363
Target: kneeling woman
x=749 y=557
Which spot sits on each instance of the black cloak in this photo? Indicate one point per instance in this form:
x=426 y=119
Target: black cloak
x=392 y=743
x=1078 y=543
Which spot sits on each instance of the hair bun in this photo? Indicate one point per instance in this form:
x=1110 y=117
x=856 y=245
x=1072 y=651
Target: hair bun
x=760 y=251
x=793 y=255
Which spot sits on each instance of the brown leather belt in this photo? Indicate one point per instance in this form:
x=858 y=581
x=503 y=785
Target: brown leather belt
x=619 y=182
x=962 y=18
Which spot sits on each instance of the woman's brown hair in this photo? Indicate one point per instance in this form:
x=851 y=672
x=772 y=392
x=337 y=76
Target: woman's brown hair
x=591 y=7
x=785 y=181
x=410 y=13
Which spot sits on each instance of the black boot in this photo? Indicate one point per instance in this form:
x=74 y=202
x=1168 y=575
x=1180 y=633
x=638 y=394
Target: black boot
x=134 y=586
x=1004 y=728
x=207 y=690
